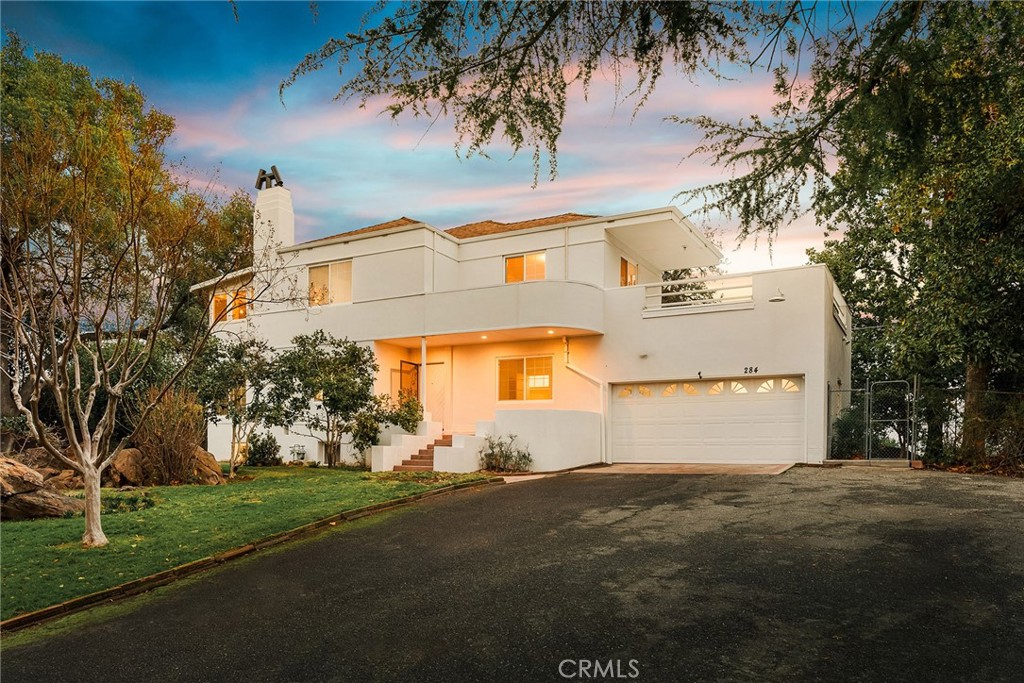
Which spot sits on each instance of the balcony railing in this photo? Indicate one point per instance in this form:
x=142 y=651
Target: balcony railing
x=699 y=294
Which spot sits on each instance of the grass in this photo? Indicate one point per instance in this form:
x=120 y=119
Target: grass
x=44 y=563
x=103 y=612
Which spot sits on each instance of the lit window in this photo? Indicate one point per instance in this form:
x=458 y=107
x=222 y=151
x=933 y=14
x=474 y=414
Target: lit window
x=643 y=391
x=627 y=273
x=737 y=388
x=766 y=387
x=690 y=389
x=524 y=379
x=790 y=386
x=525 y=267
x=230 y=305
x=669 y=390
x=330 y=283
x=220 y=303
x=716 y=388
x=625 y=392
x=240 y=305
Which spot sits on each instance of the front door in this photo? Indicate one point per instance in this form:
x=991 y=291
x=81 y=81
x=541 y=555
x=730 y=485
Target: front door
x=409 y=379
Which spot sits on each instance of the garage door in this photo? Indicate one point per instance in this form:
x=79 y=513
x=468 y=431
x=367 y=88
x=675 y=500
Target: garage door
x=733 y=420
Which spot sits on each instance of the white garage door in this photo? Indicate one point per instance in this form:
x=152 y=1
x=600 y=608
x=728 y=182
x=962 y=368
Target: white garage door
x=760 y=419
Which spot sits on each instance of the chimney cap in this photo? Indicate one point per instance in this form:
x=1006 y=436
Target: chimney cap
x=268 y=179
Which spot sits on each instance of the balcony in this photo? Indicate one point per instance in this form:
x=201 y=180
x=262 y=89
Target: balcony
x=700 y=295
x=569 y=307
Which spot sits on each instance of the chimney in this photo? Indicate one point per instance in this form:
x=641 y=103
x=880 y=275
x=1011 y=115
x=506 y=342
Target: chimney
x=273 y=218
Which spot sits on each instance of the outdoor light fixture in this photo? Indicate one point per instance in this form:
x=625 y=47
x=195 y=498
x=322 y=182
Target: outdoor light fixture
x=483 y=336
x=551 y=331
x=778 y=297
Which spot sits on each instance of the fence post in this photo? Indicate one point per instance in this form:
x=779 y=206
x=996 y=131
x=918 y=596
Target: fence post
x=867 y=419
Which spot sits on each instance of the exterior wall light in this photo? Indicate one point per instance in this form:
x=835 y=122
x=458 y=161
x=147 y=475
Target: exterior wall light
x=778 y=297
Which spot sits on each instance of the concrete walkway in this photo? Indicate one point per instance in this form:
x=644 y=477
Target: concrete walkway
x=846 y=574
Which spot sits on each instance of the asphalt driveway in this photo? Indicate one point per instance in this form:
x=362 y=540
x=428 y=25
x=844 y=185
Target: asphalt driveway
x=815 y=574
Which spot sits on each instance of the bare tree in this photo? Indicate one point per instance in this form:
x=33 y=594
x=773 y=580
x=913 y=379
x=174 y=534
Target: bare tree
x=98 y=242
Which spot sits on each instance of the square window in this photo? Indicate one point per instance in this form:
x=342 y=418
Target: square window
x=330 y=283
x=528 y=379
x=525 y=267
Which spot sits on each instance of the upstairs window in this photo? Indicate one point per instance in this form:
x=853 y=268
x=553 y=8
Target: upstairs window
x=330 y=283
x=524 y=379
x=627 y=273
x=525 y=267
x=236 y=300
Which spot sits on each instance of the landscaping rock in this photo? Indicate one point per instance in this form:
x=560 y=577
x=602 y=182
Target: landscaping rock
x=46 y=472
x=65 y=479
x=207 y=468
x=128 y=468
x=24 y=495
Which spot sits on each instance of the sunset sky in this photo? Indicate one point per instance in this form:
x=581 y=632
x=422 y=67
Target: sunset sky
x=349 y=167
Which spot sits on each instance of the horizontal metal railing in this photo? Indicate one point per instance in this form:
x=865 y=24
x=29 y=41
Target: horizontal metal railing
x=696 y=293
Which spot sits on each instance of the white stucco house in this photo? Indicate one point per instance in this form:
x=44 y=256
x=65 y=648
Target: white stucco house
x=560 y=330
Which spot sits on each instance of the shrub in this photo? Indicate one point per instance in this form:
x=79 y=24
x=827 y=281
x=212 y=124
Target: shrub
x=171 y=435
x=264 y=450
x=406 y=412
x=131 y=501
x=500 y=454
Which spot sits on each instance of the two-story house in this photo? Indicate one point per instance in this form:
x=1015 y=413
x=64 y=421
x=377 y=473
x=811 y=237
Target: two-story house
x=561 y=330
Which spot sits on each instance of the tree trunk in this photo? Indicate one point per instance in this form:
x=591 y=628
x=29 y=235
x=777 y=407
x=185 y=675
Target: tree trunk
x=935 y=414
x=972 y=447
x=235 y=448
x=94 y=536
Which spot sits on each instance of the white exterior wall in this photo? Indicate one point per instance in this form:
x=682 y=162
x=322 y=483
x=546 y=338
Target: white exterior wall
x=416 y=282
x=556 y=439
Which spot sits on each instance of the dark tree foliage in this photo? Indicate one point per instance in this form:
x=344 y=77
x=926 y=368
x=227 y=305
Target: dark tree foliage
x=505 y=68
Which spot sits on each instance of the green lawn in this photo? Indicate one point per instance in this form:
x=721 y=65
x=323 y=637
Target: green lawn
x=43 y=563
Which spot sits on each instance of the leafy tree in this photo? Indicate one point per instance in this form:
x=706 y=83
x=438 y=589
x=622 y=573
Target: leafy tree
x=322 y=384
x=505 y=68
x=98 y=242
x=237 y=387
x=930 y=185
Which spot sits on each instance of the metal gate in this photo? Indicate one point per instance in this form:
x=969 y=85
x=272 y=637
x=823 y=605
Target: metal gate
x=876 y=423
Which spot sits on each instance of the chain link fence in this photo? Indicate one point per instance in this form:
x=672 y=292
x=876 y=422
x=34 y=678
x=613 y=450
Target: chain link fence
x=896 y=420
x=876 y=423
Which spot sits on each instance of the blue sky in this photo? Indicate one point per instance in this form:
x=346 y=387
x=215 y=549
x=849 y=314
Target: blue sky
x=347 y=167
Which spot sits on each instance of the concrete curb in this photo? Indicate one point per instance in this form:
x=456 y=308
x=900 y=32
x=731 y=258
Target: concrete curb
x=148 y=583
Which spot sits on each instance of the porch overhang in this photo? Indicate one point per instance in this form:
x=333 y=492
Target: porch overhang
x=490 y=336
x=665 y=239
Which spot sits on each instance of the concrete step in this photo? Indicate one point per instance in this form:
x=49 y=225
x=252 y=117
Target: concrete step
x=414 y=468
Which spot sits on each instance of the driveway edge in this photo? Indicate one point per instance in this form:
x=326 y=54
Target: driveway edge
x=167 y=576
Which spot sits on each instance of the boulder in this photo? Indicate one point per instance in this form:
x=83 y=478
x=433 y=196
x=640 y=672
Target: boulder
x=24 y=495
x=46 y=472
x=207 y=468
x=65 y=479
x=128 y=468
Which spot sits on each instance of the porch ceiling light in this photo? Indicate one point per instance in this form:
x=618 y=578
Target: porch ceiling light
x=483 y=336
x=551 y=331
